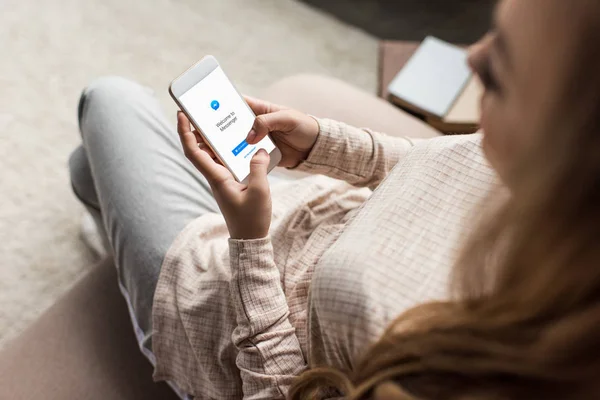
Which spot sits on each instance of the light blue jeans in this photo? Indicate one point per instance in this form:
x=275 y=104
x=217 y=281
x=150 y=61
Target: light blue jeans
x=131 y=174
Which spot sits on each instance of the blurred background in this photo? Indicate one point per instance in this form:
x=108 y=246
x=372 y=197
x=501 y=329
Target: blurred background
x=53 y=48
x=458 y=21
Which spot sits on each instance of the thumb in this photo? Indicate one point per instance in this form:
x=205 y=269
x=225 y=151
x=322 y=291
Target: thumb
x=259 y=166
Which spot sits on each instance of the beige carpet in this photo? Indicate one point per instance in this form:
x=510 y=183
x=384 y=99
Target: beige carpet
x=52 y=48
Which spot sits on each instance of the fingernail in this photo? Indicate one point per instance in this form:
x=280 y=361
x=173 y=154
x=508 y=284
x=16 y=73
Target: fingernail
x=251 y=136
x=262 y=152
x=258 y=155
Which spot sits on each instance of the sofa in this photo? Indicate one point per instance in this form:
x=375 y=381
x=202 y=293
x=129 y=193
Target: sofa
x=82 y=348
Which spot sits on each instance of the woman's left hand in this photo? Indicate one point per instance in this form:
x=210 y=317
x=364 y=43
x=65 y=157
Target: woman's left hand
x=247 y=209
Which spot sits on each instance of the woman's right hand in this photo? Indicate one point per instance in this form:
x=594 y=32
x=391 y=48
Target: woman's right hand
x=293 y=132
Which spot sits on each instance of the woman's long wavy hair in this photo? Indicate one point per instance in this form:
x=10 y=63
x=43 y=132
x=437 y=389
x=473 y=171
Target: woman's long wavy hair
x=526 y=323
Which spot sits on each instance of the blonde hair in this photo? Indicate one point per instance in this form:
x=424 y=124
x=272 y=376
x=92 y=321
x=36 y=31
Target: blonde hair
x=526 y=324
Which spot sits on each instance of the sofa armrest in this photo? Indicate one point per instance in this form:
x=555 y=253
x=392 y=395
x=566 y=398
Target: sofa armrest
x=83 y=347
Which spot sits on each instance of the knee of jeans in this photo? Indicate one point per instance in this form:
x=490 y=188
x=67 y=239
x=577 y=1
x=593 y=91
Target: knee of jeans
x=107 y=90
x=81 y=178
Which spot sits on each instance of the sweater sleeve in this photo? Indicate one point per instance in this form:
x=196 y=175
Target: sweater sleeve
x=360 y=157
x=269 y=356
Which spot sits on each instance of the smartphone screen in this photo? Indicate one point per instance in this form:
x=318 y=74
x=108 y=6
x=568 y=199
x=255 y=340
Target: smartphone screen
x=225 y=119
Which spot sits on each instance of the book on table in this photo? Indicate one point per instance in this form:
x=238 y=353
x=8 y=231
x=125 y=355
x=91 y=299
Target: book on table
x=438 y=85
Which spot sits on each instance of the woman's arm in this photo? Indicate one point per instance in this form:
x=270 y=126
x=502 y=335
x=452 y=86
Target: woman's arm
x=269 y=352
x=360 y=157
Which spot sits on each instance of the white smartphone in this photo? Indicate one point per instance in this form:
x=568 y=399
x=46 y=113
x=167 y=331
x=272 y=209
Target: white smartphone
x=221 y=115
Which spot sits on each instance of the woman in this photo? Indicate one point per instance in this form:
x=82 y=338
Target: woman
x=526 y=323
x=315 y=270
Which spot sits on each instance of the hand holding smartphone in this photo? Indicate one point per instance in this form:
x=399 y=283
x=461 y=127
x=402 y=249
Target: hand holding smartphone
x=232 y=148
x=221 y=116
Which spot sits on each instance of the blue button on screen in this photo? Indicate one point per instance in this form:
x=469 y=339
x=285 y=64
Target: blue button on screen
x=215 y=105
x=239 y=148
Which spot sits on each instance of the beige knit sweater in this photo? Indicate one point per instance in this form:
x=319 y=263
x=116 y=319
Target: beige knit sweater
x=240 y=319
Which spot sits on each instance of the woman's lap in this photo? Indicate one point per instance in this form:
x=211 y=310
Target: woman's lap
x=132 y=175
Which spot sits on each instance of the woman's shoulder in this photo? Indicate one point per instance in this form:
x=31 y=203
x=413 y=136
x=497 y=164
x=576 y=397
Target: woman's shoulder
x=456 y=155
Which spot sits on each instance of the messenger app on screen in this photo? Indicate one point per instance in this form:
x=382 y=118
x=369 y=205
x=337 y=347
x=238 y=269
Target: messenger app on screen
x=225 y=119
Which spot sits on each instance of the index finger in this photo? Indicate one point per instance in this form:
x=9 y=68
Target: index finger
x=260 y=106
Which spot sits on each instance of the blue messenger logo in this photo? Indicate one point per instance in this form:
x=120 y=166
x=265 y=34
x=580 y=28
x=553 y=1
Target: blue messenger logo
x=215 y=105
